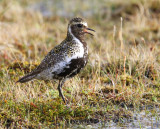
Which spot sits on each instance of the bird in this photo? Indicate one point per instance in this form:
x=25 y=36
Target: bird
x=65 y=60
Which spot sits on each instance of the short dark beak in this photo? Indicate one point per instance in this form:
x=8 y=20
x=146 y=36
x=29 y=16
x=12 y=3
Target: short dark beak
x=89 y=30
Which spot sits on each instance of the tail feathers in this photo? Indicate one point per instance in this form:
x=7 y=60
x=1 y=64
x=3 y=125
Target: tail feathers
x=26 y=78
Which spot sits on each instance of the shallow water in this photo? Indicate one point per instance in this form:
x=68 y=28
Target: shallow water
x=142 y=119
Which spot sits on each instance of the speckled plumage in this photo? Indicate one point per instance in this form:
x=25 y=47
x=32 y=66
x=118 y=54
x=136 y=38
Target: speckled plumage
x=66 y=59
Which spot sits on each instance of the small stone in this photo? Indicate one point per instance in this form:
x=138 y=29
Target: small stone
x=88 y=126
x=81 y=126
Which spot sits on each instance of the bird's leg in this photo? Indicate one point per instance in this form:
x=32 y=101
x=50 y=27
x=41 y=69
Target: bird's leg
x=61 y=82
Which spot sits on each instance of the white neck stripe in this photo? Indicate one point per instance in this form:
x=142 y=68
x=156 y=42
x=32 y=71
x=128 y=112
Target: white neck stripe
x=71 y=32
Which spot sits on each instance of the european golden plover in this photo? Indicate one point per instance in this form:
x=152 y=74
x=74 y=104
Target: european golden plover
x=65 y=60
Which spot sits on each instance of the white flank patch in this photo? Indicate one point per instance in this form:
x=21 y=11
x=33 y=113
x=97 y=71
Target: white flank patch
x=48 y=73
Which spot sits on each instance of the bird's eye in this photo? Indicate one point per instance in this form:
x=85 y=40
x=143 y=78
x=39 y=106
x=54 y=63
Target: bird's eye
x=79 y=25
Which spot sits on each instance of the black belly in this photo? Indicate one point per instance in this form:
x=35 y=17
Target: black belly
x=73 y=68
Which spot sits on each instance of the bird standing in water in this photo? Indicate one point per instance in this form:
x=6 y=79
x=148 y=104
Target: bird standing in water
x=65 y=60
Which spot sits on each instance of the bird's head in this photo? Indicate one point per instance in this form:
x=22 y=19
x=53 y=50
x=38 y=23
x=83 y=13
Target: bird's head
x=77 y=27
